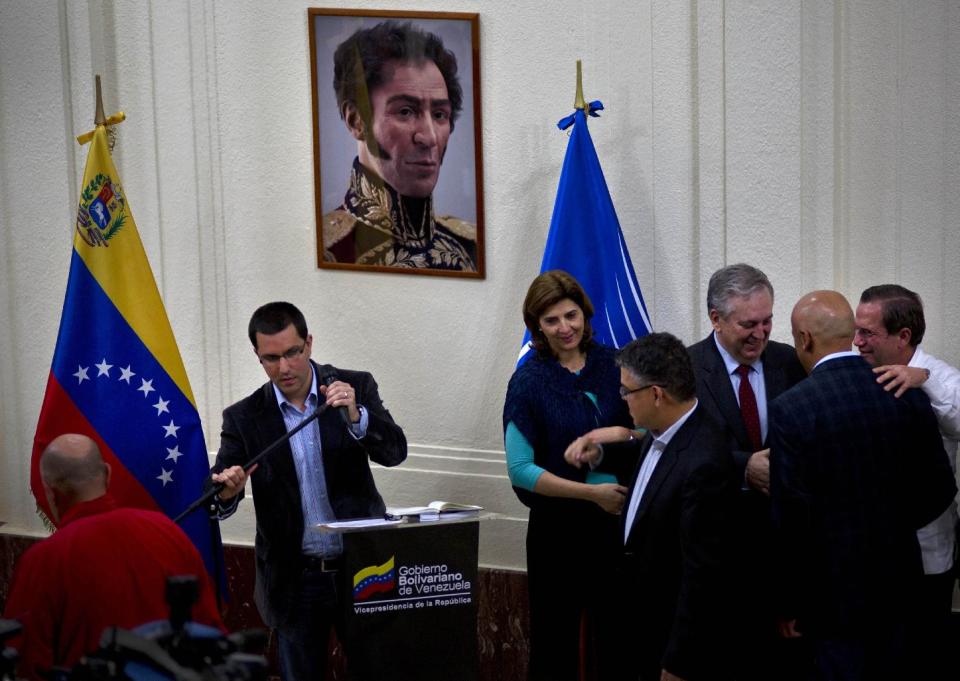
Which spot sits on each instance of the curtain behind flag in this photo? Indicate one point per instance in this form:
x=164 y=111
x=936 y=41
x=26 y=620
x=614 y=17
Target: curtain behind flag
x=117 y=375
x=585 y=240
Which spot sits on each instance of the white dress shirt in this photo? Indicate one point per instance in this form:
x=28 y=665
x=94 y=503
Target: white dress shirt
x=649 y=464
x=937 y=539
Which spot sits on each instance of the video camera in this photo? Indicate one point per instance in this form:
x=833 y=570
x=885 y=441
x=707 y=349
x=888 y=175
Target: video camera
x=170 y=650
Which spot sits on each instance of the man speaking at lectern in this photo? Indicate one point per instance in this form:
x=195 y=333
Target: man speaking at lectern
x=321 y=474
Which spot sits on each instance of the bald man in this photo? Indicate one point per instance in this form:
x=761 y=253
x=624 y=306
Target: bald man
x=105 y=566
x=854 y=473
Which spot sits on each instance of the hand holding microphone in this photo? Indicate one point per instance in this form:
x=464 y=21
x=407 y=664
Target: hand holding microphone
x=341 y=396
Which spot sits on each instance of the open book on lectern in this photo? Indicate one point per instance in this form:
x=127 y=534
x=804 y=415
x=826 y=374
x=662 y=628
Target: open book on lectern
x=435 y=509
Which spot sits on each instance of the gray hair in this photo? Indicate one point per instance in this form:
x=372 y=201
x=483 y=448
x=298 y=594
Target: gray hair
x=734 y=281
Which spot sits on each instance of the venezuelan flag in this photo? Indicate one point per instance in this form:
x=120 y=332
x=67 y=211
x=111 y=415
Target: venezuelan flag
x=117 y=375
x=373 y=579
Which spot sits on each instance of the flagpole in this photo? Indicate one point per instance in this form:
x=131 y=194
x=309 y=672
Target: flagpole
x=98 y=117
x=578 y=103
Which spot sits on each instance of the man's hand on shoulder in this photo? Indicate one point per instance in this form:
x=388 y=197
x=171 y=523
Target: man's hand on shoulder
x=900 y=377
x=758 y=471
x=233 y=479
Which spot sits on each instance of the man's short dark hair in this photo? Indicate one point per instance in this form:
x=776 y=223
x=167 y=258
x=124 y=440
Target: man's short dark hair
x=359 y=60
x=734 y=281
x=901 y=307
x=660 y=359
x=275 y=317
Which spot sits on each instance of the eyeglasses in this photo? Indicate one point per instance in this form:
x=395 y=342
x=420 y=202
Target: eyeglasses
x=624 y=390
x=289 y=355
x=867 y=334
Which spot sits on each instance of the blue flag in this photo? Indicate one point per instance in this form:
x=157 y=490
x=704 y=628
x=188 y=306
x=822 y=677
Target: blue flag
x=585 y=240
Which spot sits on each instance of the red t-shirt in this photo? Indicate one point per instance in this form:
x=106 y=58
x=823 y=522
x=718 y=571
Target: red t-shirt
x=106 y=566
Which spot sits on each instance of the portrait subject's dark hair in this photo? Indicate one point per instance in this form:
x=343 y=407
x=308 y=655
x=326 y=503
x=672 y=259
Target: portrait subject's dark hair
x=660 y=359
x=902 y=309
x=273 y=318
x=358 y=64
x=547 y=290
x=734 y=281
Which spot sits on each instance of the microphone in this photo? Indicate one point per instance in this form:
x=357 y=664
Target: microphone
x=215 y=488
x=328 y=376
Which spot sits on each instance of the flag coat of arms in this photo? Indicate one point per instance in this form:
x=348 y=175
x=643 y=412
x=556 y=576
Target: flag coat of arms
x=585 y=240
x=117 y=375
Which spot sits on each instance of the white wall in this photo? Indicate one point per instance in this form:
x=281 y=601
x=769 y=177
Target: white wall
x=816 y=140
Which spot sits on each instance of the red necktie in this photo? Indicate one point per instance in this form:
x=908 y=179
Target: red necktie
x=748 y=407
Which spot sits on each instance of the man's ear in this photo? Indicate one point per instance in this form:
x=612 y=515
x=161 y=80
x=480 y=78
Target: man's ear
x=354 y=121
x=903 y=337
x=714 y=316
x=806 y=341
x=51 y=502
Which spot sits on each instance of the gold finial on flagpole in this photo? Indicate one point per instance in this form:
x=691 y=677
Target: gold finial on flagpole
x=579 y=102
x=99 y=118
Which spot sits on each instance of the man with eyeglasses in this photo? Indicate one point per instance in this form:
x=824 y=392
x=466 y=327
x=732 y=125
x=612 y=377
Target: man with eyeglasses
x=740 y=371
x=889 y=328
x=676 y=523
x=322 y=474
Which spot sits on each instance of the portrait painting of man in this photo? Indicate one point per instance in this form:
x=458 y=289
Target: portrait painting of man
x=396 y=138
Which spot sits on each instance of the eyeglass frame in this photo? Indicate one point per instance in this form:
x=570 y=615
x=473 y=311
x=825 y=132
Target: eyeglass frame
x=289 y=355
x=867 y=334
x=625 y=392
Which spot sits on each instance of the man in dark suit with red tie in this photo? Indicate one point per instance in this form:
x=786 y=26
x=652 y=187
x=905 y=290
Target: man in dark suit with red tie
x=674 y=570
x=855 y=472
x=739 y=371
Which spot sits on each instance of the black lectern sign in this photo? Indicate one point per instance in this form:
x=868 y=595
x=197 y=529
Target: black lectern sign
x=412 y=613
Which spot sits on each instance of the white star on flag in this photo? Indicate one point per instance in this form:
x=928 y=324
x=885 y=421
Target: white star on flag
x=171 y=429
x=146 y=387
x=81 y=374
x=174 y=453
x=161 y=405
x=103 y=369
x=126 y=374
x=165 y=477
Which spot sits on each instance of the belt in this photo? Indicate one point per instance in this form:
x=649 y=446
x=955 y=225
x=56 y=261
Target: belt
x=323 y=564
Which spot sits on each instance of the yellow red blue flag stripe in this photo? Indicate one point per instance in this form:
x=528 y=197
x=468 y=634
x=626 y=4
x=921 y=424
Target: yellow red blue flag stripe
x=117 y=374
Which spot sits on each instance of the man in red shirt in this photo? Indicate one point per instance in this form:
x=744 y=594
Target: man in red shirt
x=105 y=566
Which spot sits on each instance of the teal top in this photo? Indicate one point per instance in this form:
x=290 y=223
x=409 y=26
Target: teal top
x=523 y=472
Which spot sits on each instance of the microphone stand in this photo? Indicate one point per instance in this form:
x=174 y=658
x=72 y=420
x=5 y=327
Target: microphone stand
x=216 y=488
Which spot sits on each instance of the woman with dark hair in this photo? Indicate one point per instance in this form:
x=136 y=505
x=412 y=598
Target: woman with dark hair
x=569 y=387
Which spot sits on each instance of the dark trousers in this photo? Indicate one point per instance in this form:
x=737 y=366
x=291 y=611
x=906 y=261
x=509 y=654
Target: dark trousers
x=303 y=641
x=568 y=566
x=878 y=653
x=932 y=652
